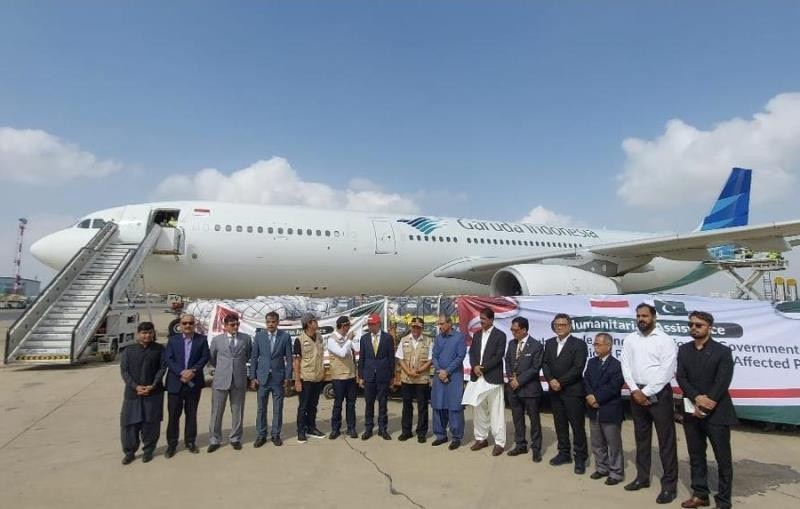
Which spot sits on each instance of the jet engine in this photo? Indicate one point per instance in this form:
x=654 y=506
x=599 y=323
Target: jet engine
x=536 y=279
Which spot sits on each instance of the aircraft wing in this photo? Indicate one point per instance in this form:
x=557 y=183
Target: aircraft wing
x=687 y=246
x=694 y=246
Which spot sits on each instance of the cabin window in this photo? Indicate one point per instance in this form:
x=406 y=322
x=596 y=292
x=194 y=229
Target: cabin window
x=433 y=238
x=249 y=229
x=290 y=230
x=448 y=239
x=280 y=231
x=239 y=228
x=327 y=233
x=410 y=237
x=270 y=230
x=469 y=241
x=260 y=229
x=308 y=232
x=228 y=228
x=319 y=233
x=217 y=227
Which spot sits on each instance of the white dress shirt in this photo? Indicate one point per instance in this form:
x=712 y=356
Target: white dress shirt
x=484 y=339
x=341 y=347
x=560 y=344
x=648 y=360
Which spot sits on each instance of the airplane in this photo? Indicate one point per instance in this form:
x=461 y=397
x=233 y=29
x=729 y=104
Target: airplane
x=233 y=250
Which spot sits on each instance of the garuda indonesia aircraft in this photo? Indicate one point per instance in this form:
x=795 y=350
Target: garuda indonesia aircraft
x=230 y=250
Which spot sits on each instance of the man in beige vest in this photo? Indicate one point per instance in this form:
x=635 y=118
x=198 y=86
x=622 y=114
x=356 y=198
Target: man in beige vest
x=343 y=376
x=414 y=356
x=309 y=377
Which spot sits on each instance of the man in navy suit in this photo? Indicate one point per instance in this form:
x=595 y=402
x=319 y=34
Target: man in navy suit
x=270 y=368
x=375 y=373
x=187 y=354
x=603 y=383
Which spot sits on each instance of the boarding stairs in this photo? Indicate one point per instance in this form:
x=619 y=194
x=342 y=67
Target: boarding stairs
x=60 y=325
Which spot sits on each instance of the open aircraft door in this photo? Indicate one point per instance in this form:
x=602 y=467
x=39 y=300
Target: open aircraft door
x=133 y=223
x=384 y=237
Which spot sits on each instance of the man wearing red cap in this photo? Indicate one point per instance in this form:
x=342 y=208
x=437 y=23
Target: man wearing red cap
x=375 y=373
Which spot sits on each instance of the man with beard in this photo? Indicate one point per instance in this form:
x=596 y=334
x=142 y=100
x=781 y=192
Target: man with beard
x=449 y=350
x=705 y=370
x=142 y=366
x=648 y=363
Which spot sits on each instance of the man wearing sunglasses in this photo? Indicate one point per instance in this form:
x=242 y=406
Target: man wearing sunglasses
x=187 y=355
x=229 y=353
x=705 y=370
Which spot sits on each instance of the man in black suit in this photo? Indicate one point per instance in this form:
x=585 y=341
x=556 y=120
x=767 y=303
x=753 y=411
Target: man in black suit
x=564 y=360
x=523 y=363
x=187 y=355
x=375 y=373
x=705 y=370
x=486 y=359
x=603 y=383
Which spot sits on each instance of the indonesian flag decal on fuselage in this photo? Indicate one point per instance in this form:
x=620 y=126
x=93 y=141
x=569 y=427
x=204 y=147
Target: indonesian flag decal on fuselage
x=615 y=307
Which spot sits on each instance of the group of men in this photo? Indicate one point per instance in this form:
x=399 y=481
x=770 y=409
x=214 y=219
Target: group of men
x=499 y=370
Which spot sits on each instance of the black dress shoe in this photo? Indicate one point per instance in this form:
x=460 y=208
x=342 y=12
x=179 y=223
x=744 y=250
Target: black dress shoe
x=301 y=437
x=334 y=435
x=537 y=458
x=636 y=485
x=128 y=458
x=455 y=444
x=352 y=434
x=665 y=497
x=560 y=459
x=192 y=448
x=316 y=433
x=597 y=475
x=277 y=442
x=439 y=441
x=212 y=447
x=611 y=481
x=516 y=451
x=237 y=445
x=404 y=436
x=147 y=457
x=259 y=442
x=171 y=450
x=580 y=467
x=385 y=435
x=421 y=439
x=366 y=435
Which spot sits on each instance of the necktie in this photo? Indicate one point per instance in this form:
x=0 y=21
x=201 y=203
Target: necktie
x=271 y=340
x=520 y=346
x=375 y=345
x=232 y=342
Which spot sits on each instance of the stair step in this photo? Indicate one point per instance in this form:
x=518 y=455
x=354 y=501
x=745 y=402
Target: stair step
x=50 y=321
x=47 y=336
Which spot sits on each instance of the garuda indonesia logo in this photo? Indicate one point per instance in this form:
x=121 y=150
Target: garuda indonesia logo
x=424 y=224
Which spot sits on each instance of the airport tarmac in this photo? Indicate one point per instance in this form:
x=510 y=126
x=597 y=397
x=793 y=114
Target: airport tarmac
x=59 y=447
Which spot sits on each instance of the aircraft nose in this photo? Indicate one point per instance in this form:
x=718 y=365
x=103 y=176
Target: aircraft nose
x=56 y=249
x=39 y=248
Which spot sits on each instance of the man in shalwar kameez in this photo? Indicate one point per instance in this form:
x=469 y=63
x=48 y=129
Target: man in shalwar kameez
x=449 y=350
x=142 y=366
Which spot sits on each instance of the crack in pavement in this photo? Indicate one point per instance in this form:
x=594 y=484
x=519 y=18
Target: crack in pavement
x=392 y=489
x=788 y=494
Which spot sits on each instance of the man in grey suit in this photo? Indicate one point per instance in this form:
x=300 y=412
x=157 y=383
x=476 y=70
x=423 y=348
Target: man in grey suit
x=523 y=362
x=271 y=367
x=229 y=354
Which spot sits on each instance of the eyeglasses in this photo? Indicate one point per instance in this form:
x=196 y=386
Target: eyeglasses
x=346 y=324
x=696 y=325
x=231 y=323
x=187 y=323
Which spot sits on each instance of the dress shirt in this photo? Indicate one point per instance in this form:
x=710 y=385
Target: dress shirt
x=649 y=360
x=560 y=344
x=341 y=347
x=485 y=339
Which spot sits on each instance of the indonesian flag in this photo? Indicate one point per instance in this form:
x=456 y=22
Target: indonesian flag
x=201 y=212
x=616 y=307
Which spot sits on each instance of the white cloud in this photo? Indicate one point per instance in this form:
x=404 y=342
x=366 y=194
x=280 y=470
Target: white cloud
x=689 y=165
x=275 y=182
x=33 y=156
x=541 y=215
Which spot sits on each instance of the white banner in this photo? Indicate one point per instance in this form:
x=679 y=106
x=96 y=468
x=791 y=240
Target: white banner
x=765 y=340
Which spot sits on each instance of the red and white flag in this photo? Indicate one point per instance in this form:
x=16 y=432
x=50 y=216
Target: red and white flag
x=615 y=307
x=201 y=212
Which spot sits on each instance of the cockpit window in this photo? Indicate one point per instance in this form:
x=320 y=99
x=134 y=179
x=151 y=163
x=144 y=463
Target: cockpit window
x=98 y=223
x=86 y=223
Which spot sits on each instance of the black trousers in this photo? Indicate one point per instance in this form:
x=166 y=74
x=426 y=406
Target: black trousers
x=307 y=406
x=185 y=401
x=344 y=391
x=698 y=433
x=570 y=411
x=660 y=414
x=149 y=433
x=422 y=393
x=520 y=407
x=373 y=391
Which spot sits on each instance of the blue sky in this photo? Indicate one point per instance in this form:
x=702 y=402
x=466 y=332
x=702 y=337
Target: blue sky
x=480 y=109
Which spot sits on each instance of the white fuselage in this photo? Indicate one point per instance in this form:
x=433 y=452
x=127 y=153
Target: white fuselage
x=241 y=250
